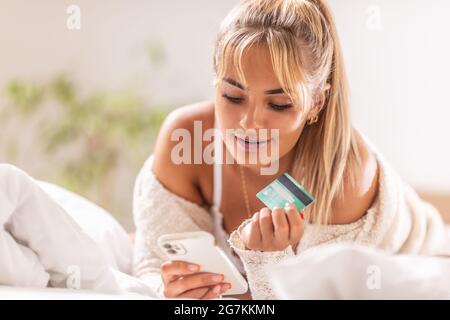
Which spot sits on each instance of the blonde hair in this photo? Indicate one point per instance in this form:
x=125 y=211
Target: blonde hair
x=305 y=51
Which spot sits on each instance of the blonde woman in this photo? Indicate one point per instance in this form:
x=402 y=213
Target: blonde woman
x=278 y=65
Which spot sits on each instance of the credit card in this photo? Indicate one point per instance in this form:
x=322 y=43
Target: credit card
x=283 y=190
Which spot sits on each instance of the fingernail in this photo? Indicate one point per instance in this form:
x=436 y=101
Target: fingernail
x=226 y=287
x=217 y=278
x=302 y=215
x=288 y=206
x=216 y=289
x=193 y=267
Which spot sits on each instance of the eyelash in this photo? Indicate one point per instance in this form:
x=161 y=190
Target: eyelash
x=233 y=99
x=274 y=106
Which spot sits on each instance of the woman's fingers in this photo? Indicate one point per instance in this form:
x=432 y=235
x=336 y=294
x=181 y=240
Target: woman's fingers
x=295 y=222
x=189 y=282
x=212 y=293
x=254 y=236
x=198 y=293
x=266 y=226
x=215 y=291
x=171 y=270
x=272 y=230
x=281 y=226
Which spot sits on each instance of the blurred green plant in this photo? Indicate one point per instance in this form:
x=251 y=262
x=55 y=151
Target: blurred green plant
x=105 y=128
x=25 y=96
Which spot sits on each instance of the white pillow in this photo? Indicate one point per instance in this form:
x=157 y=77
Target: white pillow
x=346 y=271
x=99 y=224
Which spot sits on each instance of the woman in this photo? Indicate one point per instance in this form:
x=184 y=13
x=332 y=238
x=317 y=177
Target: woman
x=278 y=66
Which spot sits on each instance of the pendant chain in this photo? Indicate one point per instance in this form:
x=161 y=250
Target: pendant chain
x=244 y=189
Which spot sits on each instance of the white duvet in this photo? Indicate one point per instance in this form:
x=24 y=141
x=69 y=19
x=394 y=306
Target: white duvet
x=347 y=271
x=50 y=237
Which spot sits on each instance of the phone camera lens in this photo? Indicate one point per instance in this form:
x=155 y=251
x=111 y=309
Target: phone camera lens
x=167 y=246
x=171 y=251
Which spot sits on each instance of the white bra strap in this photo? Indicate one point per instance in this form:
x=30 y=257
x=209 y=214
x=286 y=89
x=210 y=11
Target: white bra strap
x=217 y=180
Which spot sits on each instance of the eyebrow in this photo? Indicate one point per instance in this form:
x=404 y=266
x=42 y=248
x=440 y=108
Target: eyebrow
x=240 y=86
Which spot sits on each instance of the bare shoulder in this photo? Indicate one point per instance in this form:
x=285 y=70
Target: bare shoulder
x=181 y=179
x=359 y=197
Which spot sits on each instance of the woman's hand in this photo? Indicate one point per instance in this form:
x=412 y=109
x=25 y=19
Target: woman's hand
x=182 y=280
x=274 y=230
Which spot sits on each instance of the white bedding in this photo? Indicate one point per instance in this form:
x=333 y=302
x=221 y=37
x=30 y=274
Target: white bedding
x=99 y=224
x=69 y=242
x=346 y=271
x=19 y=293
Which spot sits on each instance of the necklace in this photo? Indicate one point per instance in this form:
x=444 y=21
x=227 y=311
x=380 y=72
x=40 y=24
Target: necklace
x=244 y=189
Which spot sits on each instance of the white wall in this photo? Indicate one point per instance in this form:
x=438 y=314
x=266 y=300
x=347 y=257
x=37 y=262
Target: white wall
x=110 y=48
x=397 y=72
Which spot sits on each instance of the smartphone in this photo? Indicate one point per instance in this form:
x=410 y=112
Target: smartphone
x=199 y=248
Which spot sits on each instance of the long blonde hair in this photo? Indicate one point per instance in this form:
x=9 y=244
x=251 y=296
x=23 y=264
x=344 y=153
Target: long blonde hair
x=305 y=51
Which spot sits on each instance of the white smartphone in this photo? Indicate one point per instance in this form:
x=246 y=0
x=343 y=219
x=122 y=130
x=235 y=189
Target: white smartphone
x=199 y=248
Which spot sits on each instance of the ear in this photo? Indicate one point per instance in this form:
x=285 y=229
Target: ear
x=319 y=103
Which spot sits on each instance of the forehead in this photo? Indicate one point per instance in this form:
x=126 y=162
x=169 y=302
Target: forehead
x=257 y=68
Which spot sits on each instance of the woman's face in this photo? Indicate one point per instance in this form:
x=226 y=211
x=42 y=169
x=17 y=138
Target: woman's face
x=260 y=105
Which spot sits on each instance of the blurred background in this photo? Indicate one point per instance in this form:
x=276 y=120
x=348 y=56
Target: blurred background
x=81 y=107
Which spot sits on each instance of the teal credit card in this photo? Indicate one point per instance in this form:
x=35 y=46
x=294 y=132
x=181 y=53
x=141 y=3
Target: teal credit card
x=283 y=190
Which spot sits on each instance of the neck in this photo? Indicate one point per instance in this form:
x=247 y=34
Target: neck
x=284 y=165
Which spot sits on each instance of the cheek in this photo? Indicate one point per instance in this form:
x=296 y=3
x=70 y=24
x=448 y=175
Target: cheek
x=288 y=122
x=226 y=118
x=290 y=132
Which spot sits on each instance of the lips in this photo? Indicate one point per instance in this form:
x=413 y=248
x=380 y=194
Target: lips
x=250 y=143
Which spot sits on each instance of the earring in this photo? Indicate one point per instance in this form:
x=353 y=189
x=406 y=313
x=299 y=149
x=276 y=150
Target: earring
x=313 y=120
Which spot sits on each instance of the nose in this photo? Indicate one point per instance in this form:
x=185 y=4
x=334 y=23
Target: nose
x=253 y=118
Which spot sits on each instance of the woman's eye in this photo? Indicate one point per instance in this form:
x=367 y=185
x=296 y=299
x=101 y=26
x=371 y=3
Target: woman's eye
x=280 y=107
x=235 y=100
